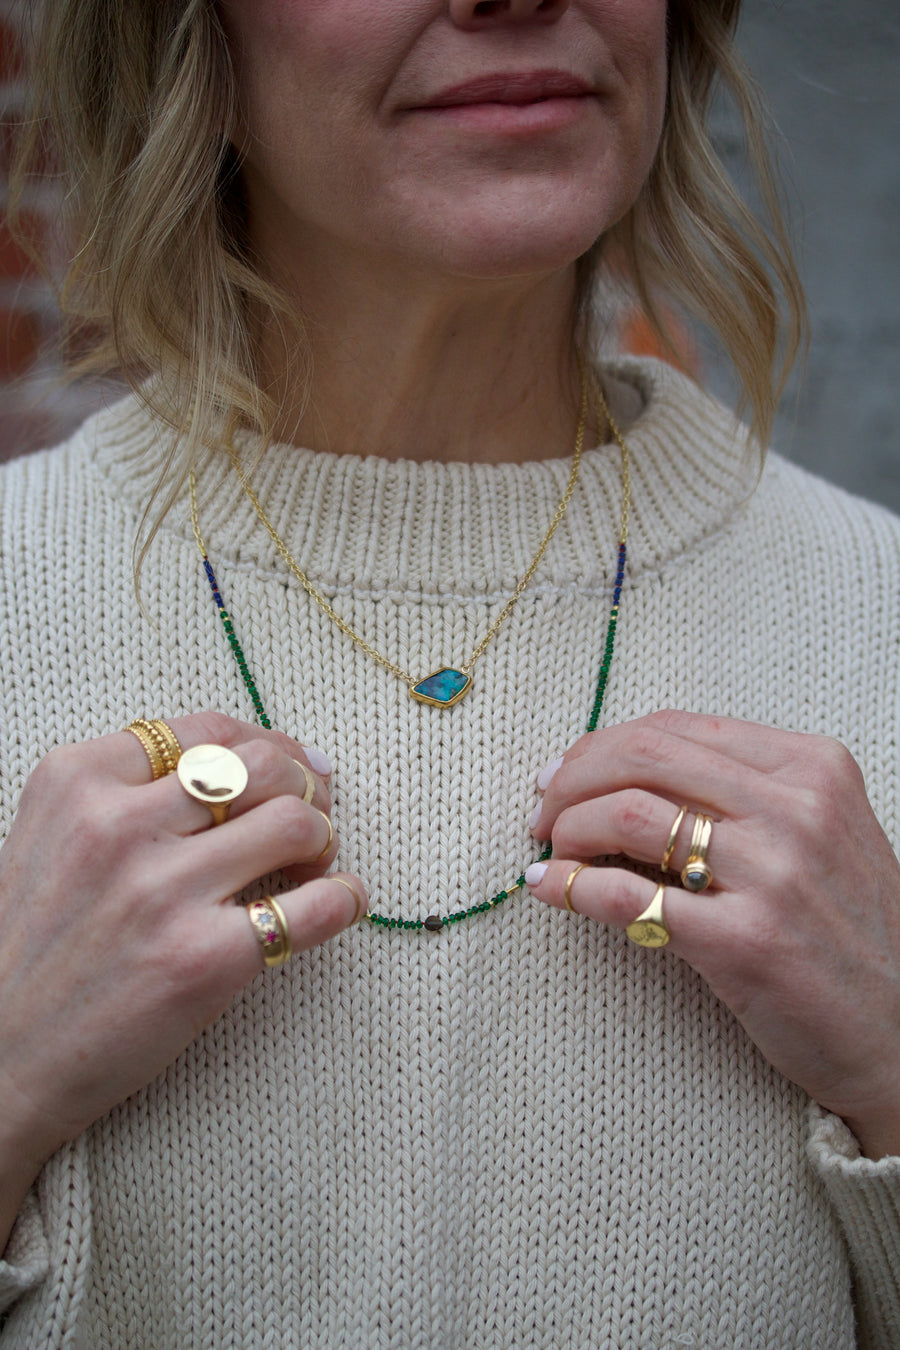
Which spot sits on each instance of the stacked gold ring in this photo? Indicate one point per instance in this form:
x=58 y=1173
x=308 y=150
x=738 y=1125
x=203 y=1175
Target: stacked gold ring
x=672 y=839
x=160 y=744
x=697 y=873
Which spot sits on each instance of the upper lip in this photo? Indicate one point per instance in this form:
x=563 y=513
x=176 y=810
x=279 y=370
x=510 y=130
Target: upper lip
x=511 y=87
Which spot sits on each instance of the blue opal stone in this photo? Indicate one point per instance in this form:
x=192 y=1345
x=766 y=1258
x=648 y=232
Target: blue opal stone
x=442 y=688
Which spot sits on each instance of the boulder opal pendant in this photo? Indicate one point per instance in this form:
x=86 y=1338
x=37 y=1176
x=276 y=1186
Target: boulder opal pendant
x=442 y=688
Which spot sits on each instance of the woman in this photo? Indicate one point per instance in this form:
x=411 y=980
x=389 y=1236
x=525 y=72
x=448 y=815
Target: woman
x=344 y=251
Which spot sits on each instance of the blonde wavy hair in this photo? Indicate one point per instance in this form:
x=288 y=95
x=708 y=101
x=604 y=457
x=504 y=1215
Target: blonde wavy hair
x=134 y=105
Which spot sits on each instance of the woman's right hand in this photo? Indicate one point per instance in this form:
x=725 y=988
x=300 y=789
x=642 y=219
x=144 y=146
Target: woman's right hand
x=119 y=938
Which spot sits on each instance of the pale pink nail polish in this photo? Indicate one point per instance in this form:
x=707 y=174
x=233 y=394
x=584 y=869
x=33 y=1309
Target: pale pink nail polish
x=318 y=762
x=535 y=874
x=547 y=772
x=534 y=817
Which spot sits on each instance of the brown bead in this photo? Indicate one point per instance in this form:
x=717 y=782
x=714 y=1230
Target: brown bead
x=433 y=924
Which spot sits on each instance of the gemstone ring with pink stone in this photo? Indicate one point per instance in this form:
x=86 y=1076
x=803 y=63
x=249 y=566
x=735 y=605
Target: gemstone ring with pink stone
x=271 y=930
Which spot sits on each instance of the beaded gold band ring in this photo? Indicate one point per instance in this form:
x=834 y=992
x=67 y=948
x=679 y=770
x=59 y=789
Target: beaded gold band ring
x=672 y=839
x=696 y=873
x=160 y=744
x=270 y=930
x=649 y=928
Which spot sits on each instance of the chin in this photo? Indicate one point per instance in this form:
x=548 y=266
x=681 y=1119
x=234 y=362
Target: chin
x=509 y=254
x=503 y=246
x=514 y=233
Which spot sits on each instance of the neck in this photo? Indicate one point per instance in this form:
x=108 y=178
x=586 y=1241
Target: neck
x=473 y=371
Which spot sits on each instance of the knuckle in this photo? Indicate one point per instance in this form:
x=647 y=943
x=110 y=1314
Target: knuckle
x=215 y=728
x=97 y=828
x=784 y=868
x=265 y=764
x=669 y=721
x=292 y=820
x=820 y=807
x=630 y=813
x=829 y=767
x=58 y=769
x=806 y=812
x=759 y=949
x=566 y=840
x=185 y=960
x=652 y=745
x=841 y=769
x=326 y=909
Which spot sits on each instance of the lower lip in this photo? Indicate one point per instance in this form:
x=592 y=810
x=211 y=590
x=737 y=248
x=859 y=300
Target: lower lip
x=510 y=119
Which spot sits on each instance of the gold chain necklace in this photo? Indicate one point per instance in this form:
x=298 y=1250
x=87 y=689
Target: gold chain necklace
x=448 y=684
x=435 y=923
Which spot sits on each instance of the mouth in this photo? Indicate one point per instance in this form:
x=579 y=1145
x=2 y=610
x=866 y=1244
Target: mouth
x=511 y=88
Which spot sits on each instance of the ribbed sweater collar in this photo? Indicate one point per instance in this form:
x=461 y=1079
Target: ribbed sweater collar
x=440 y=528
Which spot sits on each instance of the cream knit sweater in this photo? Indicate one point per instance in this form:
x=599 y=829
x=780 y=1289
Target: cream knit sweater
x=523 y=1131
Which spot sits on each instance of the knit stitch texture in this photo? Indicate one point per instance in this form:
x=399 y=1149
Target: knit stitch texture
x=522 y=1131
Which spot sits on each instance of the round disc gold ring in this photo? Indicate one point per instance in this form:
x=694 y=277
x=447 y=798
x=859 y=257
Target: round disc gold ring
x=213 y=775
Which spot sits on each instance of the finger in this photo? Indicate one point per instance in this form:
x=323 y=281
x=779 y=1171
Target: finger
x=639 y=824
x=270 y=773
x=667 y=766
x=280 y=833
x=757 y=746
x=612 y=896
x=123 y=756
x=314 y=913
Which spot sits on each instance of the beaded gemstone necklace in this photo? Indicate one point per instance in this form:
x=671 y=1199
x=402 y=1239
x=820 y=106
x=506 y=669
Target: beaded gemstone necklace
x=447 y=685
x=435 y=923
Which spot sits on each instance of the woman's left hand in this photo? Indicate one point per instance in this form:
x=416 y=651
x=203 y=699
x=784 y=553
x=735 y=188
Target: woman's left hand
x=799 y=930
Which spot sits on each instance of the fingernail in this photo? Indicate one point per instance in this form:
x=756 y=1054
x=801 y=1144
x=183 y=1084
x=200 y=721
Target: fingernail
x=535 y=874
x=318 y=762
x=535 y=816
x=547 y=772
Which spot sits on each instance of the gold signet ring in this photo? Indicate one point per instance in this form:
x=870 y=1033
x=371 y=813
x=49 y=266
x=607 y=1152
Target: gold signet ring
x=649 y=929
x=214 y=775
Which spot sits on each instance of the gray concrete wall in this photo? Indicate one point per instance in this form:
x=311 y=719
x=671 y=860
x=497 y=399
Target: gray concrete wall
x=831 y=72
